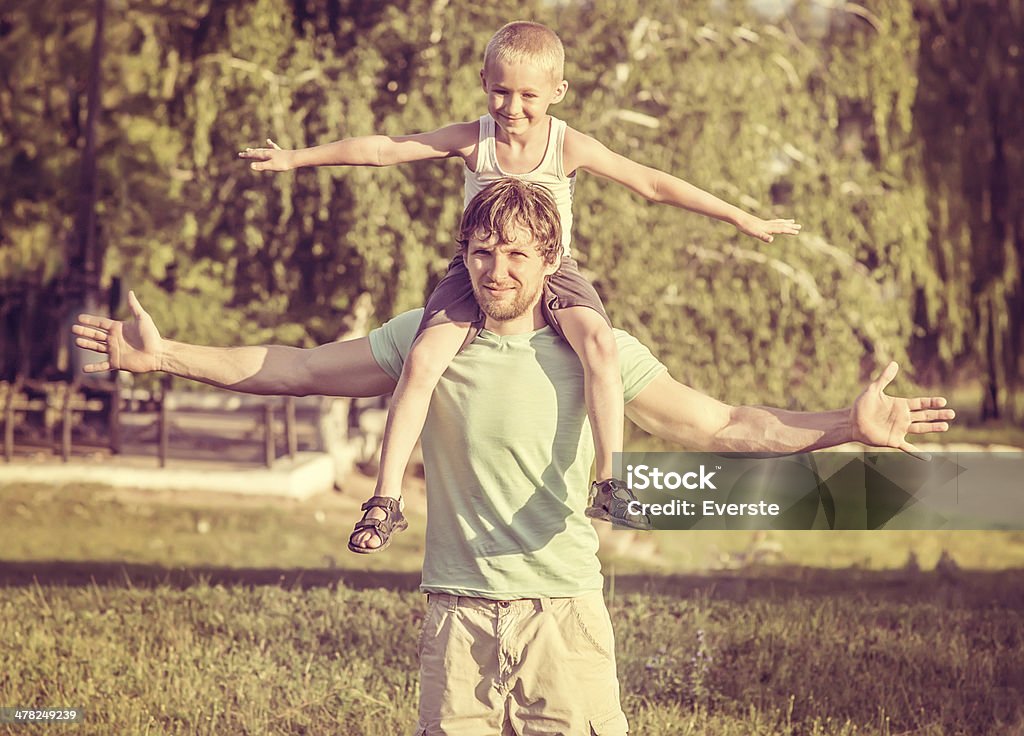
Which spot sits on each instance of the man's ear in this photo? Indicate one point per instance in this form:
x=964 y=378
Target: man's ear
x=560 y=91
x=552 y=267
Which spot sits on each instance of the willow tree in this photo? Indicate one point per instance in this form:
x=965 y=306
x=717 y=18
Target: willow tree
x=971 y=116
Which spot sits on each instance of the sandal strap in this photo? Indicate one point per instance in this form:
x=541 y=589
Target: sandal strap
x=394 y=521
x=387 y=503
x=393 y=516
x=378 y=525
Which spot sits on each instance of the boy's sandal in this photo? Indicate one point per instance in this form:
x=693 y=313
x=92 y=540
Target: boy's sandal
x=394 y=521
x=610 y=501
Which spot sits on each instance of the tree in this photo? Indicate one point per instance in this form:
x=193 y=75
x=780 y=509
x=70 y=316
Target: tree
x=971 y=120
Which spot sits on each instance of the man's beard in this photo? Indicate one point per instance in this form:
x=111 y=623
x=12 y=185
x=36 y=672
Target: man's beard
x=502 y=310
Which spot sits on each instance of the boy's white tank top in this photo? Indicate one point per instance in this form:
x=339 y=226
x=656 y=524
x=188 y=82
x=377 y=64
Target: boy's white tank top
x=549 y=173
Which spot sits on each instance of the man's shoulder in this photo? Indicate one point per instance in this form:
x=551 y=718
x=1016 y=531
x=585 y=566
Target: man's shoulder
x=402 y=327
x=392 y=341
x=400 y=332
x=625 y=339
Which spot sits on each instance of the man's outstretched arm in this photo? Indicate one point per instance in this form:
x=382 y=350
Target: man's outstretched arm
x=680 y=414
x=336 y=369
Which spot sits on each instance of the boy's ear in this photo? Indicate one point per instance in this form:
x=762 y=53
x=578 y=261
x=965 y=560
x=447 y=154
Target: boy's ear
x=483 y=79
x=560 y=91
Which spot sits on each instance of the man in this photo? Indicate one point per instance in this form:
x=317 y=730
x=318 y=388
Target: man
x=516 y=638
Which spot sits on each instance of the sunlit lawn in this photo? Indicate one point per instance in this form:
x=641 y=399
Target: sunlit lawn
x=178 y=613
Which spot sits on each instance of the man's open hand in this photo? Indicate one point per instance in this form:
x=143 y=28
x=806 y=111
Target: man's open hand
x=132 y=346
x=885 y=421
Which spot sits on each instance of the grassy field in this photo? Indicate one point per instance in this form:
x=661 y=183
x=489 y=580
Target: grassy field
x=183 y=614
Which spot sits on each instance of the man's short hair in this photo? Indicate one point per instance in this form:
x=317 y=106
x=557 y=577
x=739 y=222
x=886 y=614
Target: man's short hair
x=508 y=204
x=525 y=42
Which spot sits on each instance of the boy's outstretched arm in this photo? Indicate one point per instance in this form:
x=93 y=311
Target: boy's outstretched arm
x=583 y=152
x=336 y=369
x=369 y=150
x=680 y=414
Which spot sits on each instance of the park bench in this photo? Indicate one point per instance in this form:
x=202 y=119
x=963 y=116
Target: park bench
x=36 y=410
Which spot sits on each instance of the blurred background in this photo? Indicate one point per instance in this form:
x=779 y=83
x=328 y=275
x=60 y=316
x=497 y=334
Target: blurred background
x=893 y=130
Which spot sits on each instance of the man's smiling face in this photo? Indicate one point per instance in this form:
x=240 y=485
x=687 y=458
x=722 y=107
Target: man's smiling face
x=507 y=277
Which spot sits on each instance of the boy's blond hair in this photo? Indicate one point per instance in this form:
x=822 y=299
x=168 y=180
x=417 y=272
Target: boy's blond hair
x=525 y=42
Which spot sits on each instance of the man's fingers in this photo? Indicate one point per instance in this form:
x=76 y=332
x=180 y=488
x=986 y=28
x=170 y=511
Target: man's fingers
x=89 y=332
x=886 y=376
x=91 y=320
x=926 y=427
x=136 y=306
x=927 y=402
x=99 y=347
x=911 y=450
x=96 y=367
x=932 y=415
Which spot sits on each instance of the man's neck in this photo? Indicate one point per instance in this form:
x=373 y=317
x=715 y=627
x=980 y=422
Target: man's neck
x=532 y=321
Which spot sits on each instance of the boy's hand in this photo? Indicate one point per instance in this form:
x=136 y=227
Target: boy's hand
x=765 y=229
x=274 y=158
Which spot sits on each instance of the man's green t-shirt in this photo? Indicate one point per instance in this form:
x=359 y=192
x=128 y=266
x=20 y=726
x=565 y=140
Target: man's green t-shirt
x=507 y=452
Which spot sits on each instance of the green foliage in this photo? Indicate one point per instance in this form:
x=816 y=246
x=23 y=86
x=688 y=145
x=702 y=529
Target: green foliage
x=762 y=114
x=808 y=114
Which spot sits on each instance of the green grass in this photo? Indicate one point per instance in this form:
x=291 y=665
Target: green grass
x=167 y=614
x=98 y=524
x=95 y=523
x=265 y=659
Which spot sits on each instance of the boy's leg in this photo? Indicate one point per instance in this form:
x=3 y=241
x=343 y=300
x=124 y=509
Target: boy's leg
x=447 y=325
x=573 y=308
x=592 y=339
x=430 y=355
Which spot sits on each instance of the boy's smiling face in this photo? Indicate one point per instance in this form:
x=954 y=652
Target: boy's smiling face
x=519 y=94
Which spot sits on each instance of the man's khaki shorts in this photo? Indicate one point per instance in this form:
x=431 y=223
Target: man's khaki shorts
x=527 y=667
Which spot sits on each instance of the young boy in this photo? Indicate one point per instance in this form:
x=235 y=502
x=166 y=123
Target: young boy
x=522 y=77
